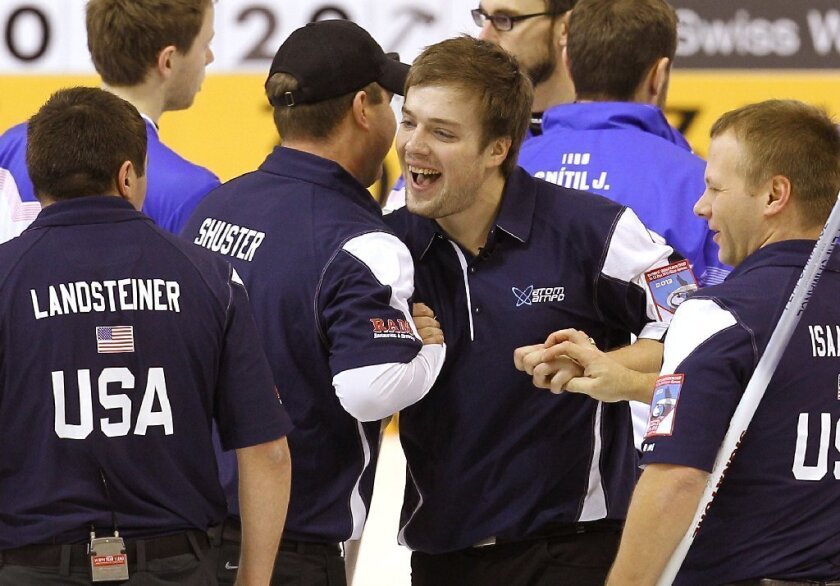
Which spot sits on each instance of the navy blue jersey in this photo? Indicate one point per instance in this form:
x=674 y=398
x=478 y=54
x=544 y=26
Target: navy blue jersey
x=329 y=285
x=120 y=343
x=175 y=185
x=777 y=513
x=489 y=455
x=630 y=154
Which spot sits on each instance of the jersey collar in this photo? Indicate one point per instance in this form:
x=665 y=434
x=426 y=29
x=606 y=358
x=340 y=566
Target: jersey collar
x=310 y=168
x=610 y=116
x=792 y=253
x=95 y=209
x=516 y=214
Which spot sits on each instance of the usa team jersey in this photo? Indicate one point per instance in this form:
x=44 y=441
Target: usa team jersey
x=630 y=154
x=777 y=513
x=174 y=188
x=489 y=455
x=120 y=344
x=329 y=285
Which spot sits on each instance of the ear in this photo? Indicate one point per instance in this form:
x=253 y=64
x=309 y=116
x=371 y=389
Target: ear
x=497 y=151
x=778 y=191
x=125 y=180
x=563 y=30
x=164 y=61
x=361 y=116
x=657 y=81
x=129 y=185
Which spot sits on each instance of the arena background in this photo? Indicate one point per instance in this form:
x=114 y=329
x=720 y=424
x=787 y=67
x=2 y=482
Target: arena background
x=731 y=53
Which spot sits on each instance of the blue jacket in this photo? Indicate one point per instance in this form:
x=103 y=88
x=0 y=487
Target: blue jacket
x=629 y=153
x=175 y=185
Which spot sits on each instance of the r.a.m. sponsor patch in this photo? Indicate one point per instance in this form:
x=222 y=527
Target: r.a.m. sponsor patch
x=663 y=408
x=392 y=328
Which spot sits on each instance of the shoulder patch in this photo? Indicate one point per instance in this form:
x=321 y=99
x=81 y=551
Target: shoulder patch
x=670 y=286
x=663 y=407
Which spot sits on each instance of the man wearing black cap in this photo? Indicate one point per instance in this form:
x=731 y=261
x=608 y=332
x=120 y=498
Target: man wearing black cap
x=329 y=283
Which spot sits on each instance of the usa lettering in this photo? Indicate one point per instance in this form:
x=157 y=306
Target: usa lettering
x=118 y=425
x=824 y=340
x=804 y=452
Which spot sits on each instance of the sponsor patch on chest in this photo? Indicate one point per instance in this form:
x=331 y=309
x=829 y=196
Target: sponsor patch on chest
x=531 y=295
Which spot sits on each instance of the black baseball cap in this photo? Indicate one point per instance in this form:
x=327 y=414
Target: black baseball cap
x=331 y=58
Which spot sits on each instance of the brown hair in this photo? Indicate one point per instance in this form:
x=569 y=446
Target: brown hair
x=488 y=72
x=78 y=141
x=559 y=6
x=793 y=139
x=311 y=121
x=125 y=37
x=614 y=43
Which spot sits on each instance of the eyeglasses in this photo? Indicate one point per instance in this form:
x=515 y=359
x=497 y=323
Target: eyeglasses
x=503 y=22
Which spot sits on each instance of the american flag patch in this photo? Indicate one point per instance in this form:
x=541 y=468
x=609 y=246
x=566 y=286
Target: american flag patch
x=114 y=339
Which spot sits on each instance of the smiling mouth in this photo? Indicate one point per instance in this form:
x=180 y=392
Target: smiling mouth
x=423 y=177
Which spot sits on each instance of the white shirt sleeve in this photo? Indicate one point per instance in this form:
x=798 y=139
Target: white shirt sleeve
x=373 y=392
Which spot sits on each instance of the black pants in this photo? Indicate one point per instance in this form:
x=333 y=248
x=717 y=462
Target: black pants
x=569 y=560
x=184 y=569
x=297 y=564
x=290 y=569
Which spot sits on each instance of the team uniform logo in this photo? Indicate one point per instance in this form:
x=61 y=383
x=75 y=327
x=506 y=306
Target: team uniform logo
x=392 y=328
x=670 y=286
x=114 y=339
x=531 y=295
x=663 y=408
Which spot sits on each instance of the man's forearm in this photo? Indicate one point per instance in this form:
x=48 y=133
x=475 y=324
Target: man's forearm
x=643 y=355
x=264 y=484
x=663 y=506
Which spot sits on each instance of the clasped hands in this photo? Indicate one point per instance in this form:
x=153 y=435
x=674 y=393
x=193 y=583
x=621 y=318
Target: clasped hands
x=570 y=361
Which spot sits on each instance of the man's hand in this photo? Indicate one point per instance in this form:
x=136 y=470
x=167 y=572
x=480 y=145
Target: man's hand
x=536 y=361
x=570 y=361
x=427 y=326
x=603 y=377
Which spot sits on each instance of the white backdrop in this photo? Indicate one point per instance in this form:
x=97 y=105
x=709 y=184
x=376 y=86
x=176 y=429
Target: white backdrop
x=48 y=36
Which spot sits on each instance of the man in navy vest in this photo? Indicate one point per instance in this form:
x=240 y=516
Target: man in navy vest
x=329 y=282
x=153 y=55
x=122 y=343
x=771 y=180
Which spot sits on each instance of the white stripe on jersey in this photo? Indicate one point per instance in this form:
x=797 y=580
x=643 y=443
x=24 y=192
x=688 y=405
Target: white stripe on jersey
x=634 y=250
x=462 y=260
x=595 y=501
x=696 y=321
x=390 y=262
x=357 y=504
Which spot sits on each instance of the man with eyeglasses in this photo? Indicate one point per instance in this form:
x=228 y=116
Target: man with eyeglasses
x=533 y=31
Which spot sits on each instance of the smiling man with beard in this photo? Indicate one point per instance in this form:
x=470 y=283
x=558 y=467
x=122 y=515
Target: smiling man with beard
x=533 y=31
x=508 y=484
